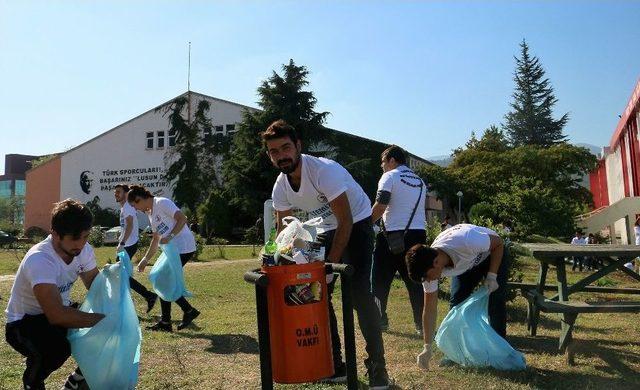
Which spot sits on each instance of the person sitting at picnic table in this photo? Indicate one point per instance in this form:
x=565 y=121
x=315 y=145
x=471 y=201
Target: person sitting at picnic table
x=468 y=254
x=578 y=261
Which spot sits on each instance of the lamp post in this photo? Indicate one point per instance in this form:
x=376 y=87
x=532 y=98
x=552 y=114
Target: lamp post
x=459 y=194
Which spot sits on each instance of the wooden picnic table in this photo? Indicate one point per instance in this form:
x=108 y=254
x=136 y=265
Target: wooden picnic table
x=614 y=256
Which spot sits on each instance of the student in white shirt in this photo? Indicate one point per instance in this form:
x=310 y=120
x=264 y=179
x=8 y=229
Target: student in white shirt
x=578 y=261
x=466 y=253
x=128 y=240
x=399 y=203
x=39 y=311
x=168 y=223
x=323 y=188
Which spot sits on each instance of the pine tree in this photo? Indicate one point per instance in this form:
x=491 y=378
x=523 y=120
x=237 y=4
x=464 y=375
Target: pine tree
x=530 y=122
x=248 y=174
x=192 y=162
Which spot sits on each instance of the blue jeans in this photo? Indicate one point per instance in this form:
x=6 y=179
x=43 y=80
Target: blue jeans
x=463 y=285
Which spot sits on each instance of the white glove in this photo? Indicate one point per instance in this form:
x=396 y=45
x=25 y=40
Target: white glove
x=120 y=248
x=491 y=281
x=424 y=357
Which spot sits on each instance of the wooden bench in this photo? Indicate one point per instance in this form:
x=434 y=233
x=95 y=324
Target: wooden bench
x=570 y=311
x=524 y=287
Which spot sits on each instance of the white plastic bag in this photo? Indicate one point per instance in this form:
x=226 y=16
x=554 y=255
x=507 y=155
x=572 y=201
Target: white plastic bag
x=293 y=229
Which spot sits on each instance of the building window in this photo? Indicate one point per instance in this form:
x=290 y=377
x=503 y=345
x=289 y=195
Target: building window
x=231 y=128
x=5 y=189
x=149 y=139
x=20 y=188
x=172 y=138
x=160 y=139
x=219 y=129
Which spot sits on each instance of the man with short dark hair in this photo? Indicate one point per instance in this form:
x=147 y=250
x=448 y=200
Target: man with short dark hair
x=323 y=188
x=400 y=203
x=466 y=253
x=128 y=240
x=39 y=312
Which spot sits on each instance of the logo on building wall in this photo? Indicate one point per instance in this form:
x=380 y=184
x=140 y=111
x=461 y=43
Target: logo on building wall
x=86 y=181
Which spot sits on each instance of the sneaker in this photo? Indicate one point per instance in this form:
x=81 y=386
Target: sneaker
x=151 y=301
x=188 y=317
x=419 y=330
x=339 y=376
x=378 y=376
x=75 y=381
x=161 y=326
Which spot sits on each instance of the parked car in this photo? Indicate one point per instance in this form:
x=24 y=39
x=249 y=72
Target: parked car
x=6 y=239
x=112 y=235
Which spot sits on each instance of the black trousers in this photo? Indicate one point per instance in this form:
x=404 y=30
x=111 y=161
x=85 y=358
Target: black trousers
x=165 y=306
x=358 y=253
x=385 y=265
x=463 y=285
x=135 y=285
x=44 y=345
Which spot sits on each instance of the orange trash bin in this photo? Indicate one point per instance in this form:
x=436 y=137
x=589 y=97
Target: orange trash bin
x=299 y=323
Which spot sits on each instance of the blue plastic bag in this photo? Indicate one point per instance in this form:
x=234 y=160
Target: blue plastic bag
x=167 y=276
x=466 y=337
x=109 y=353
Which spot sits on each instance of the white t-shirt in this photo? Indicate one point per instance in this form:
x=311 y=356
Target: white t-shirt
x=42 y=265
x=636 y=230
x=322 y=181
x=128 y=211
x=404 y=186
x=579 y=241
x=162 y=222
x=466 y=244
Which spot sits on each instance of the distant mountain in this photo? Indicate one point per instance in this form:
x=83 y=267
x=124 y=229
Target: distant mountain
x=442 y=160
x=592 y=148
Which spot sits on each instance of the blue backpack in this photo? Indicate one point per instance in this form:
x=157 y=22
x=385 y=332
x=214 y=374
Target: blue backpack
x=109 y=352
x=466 y=337
x=167 y=276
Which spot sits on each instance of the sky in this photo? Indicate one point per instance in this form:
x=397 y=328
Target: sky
x=422 y=75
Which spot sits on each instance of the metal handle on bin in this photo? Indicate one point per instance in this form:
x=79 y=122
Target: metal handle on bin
x=343 y=269
x=256 y=277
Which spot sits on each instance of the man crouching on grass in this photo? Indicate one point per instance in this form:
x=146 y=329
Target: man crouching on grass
x=39 y=312
x=466 y=253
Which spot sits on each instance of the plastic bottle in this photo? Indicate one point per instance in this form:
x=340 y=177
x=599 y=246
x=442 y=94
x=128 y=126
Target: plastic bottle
x=270 y=246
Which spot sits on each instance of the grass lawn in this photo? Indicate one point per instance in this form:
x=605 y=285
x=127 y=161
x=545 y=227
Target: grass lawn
x=10 y=258
x=221 y=350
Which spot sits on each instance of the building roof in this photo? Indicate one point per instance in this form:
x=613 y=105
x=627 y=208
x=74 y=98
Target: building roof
x=632 y=105
x=220 y=100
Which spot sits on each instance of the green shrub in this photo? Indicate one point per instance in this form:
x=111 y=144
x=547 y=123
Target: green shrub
x=482 y=210
x=96 y=238
x=220 y=244
x=200 y=243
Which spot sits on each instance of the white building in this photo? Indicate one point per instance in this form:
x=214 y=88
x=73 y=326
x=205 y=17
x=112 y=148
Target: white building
x=133 y=152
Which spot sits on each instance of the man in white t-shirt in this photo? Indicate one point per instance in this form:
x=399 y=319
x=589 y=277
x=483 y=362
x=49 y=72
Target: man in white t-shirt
x=39 y=311
x=400 y=203
x=169 y=224
x=128 y=240
x=323 y=188
x=466 y=253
